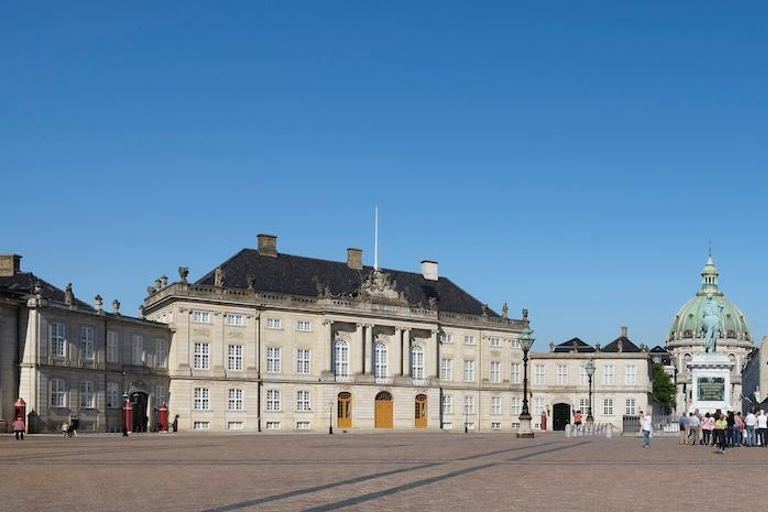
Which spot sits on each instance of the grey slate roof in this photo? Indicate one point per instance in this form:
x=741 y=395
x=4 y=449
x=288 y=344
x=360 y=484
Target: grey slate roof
x=574 y=343
x=299 y=275
x=626 y=345
x=23 y=283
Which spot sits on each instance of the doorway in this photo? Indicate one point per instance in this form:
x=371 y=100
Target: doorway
x=420 y=413
x=344 y=410
x=383 y=417
x=139 y=404
x=561 y=416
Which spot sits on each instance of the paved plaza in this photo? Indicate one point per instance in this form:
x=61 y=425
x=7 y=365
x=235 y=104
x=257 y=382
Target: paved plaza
x=424 y=472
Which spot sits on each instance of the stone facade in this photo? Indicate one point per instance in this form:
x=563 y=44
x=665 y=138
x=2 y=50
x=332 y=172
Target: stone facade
x=755 y=377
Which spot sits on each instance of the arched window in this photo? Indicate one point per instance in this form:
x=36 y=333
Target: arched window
x=417 y=362
x=341 y=349
x=379 y=360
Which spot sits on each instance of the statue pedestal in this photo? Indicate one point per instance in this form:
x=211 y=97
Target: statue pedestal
x=710 y=382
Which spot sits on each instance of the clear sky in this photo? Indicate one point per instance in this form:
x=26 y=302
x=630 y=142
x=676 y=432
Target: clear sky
x=573 y=158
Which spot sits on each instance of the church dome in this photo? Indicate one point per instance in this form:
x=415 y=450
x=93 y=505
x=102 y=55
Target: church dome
x=688 y=320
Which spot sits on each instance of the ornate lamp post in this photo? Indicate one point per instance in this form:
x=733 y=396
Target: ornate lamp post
x=330 y=416
x=590 y=369
x=526 y=341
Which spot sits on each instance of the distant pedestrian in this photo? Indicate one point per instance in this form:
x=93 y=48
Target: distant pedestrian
x=738 y=427
x=762 y=428
x=730 y=419
x=749 y=429
x=175 y=424
x=707 y=424
x=74 y=424
x=646 y=423
x=721 y=426
x=684 y=424
x=577 y=419
x=695 y=436
x=18 y=428
x=65 y=429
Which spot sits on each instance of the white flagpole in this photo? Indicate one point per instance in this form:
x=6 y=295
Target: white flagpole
x=376 y=238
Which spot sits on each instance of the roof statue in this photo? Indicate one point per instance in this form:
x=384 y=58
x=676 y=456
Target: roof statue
x=380 y=285
x=710 y=323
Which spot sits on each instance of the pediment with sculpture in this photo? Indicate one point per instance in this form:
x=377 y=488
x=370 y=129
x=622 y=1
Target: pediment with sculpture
x=381 y=287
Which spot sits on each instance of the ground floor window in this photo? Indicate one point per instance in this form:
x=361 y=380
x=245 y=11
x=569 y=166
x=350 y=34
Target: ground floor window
x=302 y=425
x=273 y=425
x=447 y=426
x=469 y=426
x=608 y=406
x=235 y=425
x=495 y=426
x=630 y=407
x=201 y=425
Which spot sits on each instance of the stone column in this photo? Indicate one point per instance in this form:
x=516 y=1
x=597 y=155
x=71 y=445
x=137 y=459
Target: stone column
x=431 y=356
x=326 y=355
x=396 y=356
x=368 y=348
x=406 y=352
x=355 y=358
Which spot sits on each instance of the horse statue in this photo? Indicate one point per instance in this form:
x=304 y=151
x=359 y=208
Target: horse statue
x=710 y=324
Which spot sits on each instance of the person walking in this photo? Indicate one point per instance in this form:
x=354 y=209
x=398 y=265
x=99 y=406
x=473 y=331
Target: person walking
x=685 y=426
x=695 y=430
x=721 y=426
x=761 y=425
x=749 y=429
x=646 y=422
x=707 y=424
x=738 y=428
x=18 y=428
x=731 y=421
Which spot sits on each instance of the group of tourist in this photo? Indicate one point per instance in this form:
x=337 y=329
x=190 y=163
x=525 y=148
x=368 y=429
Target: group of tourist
x=724 y=429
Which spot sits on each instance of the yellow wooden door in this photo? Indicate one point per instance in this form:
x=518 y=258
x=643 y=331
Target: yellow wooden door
x=421 y=411
x=383 y=413
x=344 y=410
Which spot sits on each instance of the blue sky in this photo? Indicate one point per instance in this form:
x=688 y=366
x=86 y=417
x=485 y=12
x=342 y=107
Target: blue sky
x=573 y=158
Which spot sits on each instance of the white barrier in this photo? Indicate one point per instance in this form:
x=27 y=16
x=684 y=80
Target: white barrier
x=590 y=429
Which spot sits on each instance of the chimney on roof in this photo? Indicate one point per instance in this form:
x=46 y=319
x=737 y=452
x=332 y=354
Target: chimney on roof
x=355 y=258
x=429 y=270
x=623 y=331
x=267 y=245
x=10 y=265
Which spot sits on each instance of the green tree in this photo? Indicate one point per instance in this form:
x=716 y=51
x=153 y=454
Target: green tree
x=663 y=387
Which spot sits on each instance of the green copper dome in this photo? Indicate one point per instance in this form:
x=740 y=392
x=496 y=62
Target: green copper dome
x=687 y=322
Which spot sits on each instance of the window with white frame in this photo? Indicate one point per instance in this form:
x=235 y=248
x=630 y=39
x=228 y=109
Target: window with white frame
x=630 y=407
x=446 y=338
x=201 y=317
x=161 y=394
x=303 y=357
x=494 y=341
x=273 y=425
x=562 y=375
x=113 y=347
x=469 y=340
x=273 y=400
x=86 y=343
x=496 y=426
x=235 y=358
x=341 y=357
x=58 y=334
x=514 y=377
x=235 y=399
x=446 y=369
x=538 y=406
x=515 y=343
x=495 y=372
x=235 y=319
x=495 y=405
x=161 y=353
x=630 y=375
x=113 y=395
x=274 y=359
x=87 y=396
x=234 y=425
x=202 y=358
x=583 y=377
x=303 y=403
x=608 y=374
x=517 y=406
x=469 y=370
x=447 y=404
x=304 y=326
x=58 y=393
x=417 y=362
x=274 y=323
x=303 y=425
x=137 y=349
x=539 y=374
x=469 y=404
x=201 y=425
x=447 y=425
x=608 y=406
x=380 y=360
x=202 y=398
x=583 y=404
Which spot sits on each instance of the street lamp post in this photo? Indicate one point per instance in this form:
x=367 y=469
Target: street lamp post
x=127 y=413
x=330 y=417
x=526 y=341
x=590 y=369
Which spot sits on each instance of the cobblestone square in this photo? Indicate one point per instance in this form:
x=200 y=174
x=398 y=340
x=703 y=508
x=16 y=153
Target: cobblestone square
x=482 y=472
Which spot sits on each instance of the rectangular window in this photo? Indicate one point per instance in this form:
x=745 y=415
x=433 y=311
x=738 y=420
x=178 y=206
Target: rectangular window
x=274 y=323
x=495 y=426
x=447 y=404
x=235 y=357
x=58 y=334
x=201 y=317
x=446 y=338
x=515 y=343
x=469 y=340
x=562 y=375
x=446 y=369
x=137 y=350
x=495 y=405
x=201 y=425
x=274 y=362
x=494 y=342
x=161 y=353
x=583 y=377
x=303 y=425
x=469 y=370
x=608 y=406
x=235 y=425
x=584 y=404
x=86 y=343
x=87 y=397
x=469 y=404
x=539 y=374
x=161 y=394
x=302 y=361
x=202 y=399
x=630 y=407
x=630 y=375
x=235 y=399
x=608 y=374
x=447 y=426
x=273 y=425
x=113 y=347
x=202 y=359
x=517 y=405
x=417 y=362
x=273 y=400
x=302 y=401
x=514 y=377
x=495 y=372
x=113 y=395
x=304 y=326
x=538 y=406
x=235 y=319
x=58 y=393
